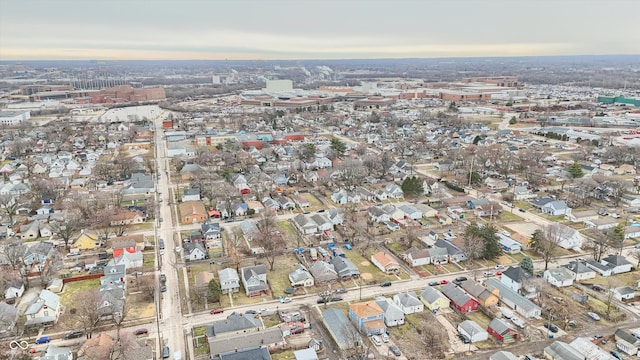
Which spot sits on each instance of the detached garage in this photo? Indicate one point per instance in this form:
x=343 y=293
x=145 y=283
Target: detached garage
x=471 y=330
x=501 y=330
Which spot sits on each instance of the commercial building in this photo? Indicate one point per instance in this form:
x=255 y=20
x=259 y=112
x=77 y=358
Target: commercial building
x=10 y=118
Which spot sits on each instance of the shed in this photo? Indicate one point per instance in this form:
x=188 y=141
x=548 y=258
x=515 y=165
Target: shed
x=472 y=331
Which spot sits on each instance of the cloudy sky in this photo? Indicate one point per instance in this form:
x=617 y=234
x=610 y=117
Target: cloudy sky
x=314 y=29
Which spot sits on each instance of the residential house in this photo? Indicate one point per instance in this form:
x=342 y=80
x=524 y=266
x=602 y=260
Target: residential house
x=408 y=302
x=113 y=275
x=502 y=331
x=368 y=318
x=385 y=262
x=623 y=293
x=394 y=191
x=37 y=255
x=304 y=354
x=568 y=238
x=14 y=289
x=322 y=222
x=229 y=280
x=192 y=194
x=341 y=329
x=601 y=269
x=8 y=318
x=591 y=351
x=454 y=252
x=523 y=193
x=438 y=255
x=339 y=197
x=617 y=263
x=581 y=216
x=393 y=314
x=335 y=215
x=559 y=277
x=304 y=224
x=427 y=211
x=300 y=276
x=515 y=301
x=122 y=245
x=192 y=212
x=472 y=331
x=345 y=268
x=30 y=230
x=484 y=296
x=626 y=342
x=508 y=245
x=460 y=300
x=323 y=272
x=43 y=309
x=556 y=208
x=559 y=350
x=580 y=271
x=195 y=251
x=434 y=299
x=417 y=257
x=249 y=229
x=378 y=215
x=601 y=224
x=411 y=212
x=87 y=240
x=630 y=232
x=211 y=232
x=254 y=280
x=474 y=203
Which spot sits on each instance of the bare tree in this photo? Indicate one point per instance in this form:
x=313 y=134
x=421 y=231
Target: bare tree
x=600 y=243
x=546 y=242
x=269 y=237
x=67 y=228
x=9 y=204
x=50 y=270
x=13 y=253
x=352 y=172
x=86 y=310
x=147 y=285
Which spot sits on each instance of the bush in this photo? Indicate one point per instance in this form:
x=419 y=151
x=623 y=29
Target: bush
x=454 y=187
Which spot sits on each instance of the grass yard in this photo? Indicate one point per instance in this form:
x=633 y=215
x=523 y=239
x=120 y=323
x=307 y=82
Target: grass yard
x=270 y=320
x=313 y=201
x=630 y=279
x=71 y=289
x=239 y=298
x=396 y=247
x=517 y=257
x=140 y=227
x=479 y=317
x=369 y=272
x=148 y=259
x=290 y=234
x=278 y=278
x=284 y=355
x=202 y=346
x=506 y=216
x=139 y=307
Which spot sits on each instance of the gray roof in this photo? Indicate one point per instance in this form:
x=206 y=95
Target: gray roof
x=45 y=297
x=228 y=274
x=577 y=267
x=516 y=273
x=233 y=322
x=560 y=274
x=430 y=295
x=391 y=310
x=456 y=294
x=53 y=352
x=8 y=315
x=323 y=271
x=627 y=336
x=500 y=326
x=344 y=267
x=563 y=351
x=616 y=260
x=408 y=299
x=471 y=327
x=503 y=355
x=258 y=353
x=227 y=345
x=300 y=273
x=340 y=328
x=505 y=292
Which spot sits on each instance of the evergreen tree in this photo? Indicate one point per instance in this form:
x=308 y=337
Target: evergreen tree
x=412 y=186
x=491 y=249
x=575 y=170
x=339 y=147
x=214 y=291
x=527 y=265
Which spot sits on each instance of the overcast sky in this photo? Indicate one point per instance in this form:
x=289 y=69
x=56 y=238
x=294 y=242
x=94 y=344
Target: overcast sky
x=308 y=29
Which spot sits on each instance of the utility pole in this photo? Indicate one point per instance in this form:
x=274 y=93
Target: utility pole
x=471 y=170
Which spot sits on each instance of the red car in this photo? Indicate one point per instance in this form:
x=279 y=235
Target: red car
x=217 y=311
x=498 y=272
x=443 y=282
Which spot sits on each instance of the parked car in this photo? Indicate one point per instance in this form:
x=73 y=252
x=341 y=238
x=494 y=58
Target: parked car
x=394 y=350
x=166 y=352
x=464 y=338
x=376 y=340
x=460 y=279
x=444 y=282
x=163 y=288
x=522 y=210
x=141 y=332
x=385 y=338
x=43 y=340
x=551 y=327
x=262 y=310
x=598 y=336
x=251 y=312
x=73 y=335
x=597 y=287
x=489 y=273
x=163 y=277
x=284 y=300
x=616 y=354
x=518 y=322
x=385 y=283
x=434 y=283
x=178 y=249
x=498 y=267
x=341 y=290
x=593 y=315
x=216 y=311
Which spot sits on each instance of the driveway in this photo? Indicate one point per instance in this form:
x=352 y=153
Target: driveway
x=27 y=298
x=457 y=346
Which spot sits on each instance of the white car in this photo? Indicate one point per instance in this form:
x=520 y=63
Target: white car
x=178 y=249
x=498 y=267
x=517 y=321
x=376 y=340
x=385 y=338
x=263 y=310
x=593 y=315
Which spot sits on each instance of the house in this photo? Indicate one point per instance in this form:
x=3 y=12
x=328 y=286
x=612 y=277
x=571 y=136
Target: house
x=345 y=268
x=192 y=212
x=559 y=350
x=502 y=331
x=475 y=203
x=427 y=211
x=249 y=229
x=300 y=276
x=515 y=301
x=368 y=318
x=438 y=255
x=556 y=208
x=305 y=354
x=37 y=255
x=626 y=342
x=581 y=216
x=254 y=280
x=484 y=296
x=211 y=231
x=122 y=245
x=460 y=300
x=339 y=197
x=394 y=191
x=192 y=194
x=30 y=230
x=623 y=293
x=433 y=299
x=8 y=318
x=568 y=238
x=417 y=257
x=601 y=269
x=454 y=252
x=43 y=309
x=229 y=280
x=618 y=264
x=408 y=302
x=559 y=277
x=246 y=343
x=580 y=271
x=129 y=260
x=335 y=215
x=601 y=224
x=411 y=212
x=87 y=240
x=341 y=330
x=472 y=331
x=591 y=351
x=508 y=245
x=14 y=289
x=323 y=272
x=630 y=232
x=393 y=314
x=385 y=262
x=322 y=222
x=376 y=214
x=304 y=224
x=195 y=251
x=523 y=193
x=113 y=275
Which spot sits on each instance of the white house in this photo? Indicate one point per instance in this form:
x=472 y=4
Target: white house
x=394 y=191
x=411 y=212
x=408 y=302
x=194 y=251
x=416 y=257
x=229 y=280
x=556 y=208
x=559 y=277
x=580 y=271
x=472 y=331
x=618 y=264
x=509 y=245
x=568 y=238
x=43 y=309
x=14 y=289
x=623 y=293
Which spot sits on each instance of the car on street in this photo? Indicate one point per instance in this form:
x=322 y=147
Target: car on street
x=593 y=315
x=376 y=340
x=166 y=352
x=498 y=267
x=43 y=340
x=163 y=277
x=74 y=335
x=598 y=336
x=262 y=310
x=178 y=249
x=489 y=273
x=551 y=327
x=395 y=350
x=163 y=288
x=434 y=283
x=216 y=311
x=284 y=300
x=251 y=312
x=597 y=287
x=341 y=290
x=459 y=280
x=141 y=332
x=522 y=210
x=616 y=354
x=444 y=282
x=385 y=283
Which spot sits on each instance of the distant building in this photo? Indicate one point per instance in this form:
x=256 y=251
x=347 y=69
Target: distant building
x=10 y=118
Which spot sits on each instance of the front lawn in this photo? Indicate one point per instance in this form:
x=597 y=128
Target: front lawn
x=278 y=278
x=72 y=288
x=508 y=216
